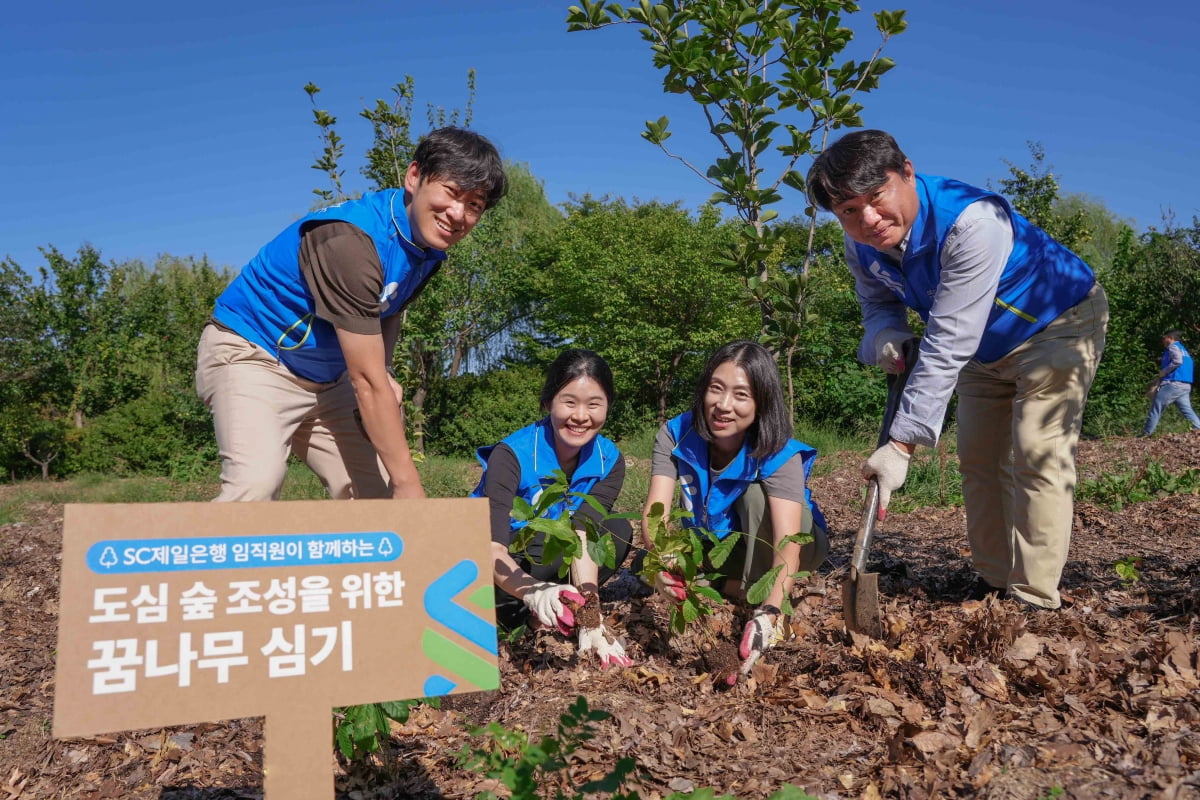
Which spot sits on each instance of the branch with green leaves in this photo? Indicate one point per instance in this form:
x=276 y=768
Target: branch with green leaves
x=747 y=63
x=561 y=539
x=685 y=552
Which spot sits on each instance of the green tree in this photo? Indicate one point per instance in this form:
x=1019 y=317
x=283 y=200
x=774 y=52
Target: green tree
x=756 y=69
x=79 y=311
x=478 y=297
x=1105 y=228
x=1034 y=193
x=637 y=284
x=827 y=383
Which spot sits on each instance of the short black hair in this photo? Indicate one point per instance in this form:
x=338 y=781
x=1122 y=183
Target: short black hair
x=772 y=426
x=1174 y=335
x=853 y=165
x=465 y=157
x=574 y=364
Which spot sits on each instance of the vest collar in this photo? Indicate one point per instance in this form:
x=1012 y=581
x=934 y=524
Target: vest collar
x=923 y=234
x=545 y=457
x=399 y=214
x=692 y=448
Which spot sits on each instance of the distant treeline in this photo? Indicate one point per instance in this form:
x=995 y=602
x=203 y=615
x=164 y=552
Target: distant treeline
x=97 y=359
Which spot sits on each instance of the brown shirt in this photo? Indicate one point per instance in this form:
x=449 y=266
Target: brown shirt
x=341 y=266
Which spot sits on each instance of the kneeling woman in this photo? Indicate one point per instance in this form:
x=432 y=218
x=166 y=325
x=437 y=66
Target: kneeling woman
x=741 y=470
x=576 y=397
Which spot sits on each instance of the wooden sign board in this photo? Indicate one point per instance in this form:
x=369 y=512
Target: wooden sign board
x=175 y=613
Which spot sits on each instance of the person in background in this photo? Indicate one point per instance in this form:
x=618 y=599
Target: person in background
x=739 y=469
x=1172 y=386
x=299 y=347
x=576 y=398
x=1014 y=322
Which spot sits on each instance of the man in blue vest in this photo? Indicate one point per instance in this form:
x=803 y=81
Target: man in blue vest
x=1014 y=322
x=299 y=347
x=1173 y=384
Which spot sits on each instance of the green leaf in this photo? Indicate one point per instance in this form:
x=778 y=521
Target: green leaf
x=719 y=552
x=757 y=593
x=603 y=551
x=521 y=510
x=399 y=709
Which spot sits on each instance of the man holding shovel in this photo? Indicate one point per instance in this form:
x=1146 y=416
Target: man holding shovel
x=1014 y=322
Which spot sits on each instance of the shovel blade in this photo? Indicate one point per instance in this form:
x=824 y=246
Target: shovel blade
x=860 y=603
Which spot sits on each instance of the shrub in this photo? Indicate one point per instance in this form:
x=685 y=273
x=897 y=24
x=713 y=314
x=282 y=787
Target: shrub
x=472 y=411
x=159 y=434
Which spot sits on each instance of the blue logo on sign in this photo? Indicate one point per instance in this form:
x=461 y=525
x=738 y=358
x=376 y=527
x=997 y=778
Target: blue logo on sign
x=443 y=605
x=122 y=556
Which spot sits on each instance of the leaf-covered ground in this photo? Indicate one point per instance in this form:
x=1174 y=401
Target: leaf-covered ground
x=962 y=698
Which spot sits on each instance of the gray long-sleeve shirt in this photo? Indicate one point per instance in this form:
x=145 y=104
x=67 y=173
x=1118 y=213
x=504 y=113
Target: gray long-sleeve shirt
x=976 y=249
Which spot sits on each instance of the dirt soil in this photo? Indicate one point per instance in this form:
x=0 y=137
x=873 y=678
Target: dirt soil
x=962 y=698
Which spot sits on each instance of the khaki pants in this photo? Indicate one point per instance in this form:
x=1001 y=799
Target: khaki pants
x=1018 y=427
x=754 y=553
x=262 y=411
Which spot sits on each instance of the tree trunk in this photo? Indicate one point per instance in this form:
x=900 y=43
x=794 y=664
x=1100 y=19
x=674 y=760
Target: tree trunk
x=43 y=463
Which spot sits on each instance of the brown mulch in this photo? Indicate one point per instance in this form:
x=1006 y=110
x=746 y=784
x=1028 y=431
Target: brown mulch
x=976 y=698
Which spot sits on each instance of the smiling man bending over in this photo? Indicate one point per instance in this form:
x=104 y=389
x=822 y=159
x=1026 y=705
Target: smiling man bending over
x=1014 y=322
x=303 y=338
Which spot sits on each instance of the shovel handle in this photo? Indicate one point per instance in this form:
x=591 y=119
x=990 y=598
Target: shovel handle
x=866 y=528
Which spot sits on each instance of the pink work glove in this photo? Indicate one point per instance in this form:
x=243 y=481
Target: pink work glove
x=670 y=585
x=607 y=648
x=546 y=602
x=764 y=630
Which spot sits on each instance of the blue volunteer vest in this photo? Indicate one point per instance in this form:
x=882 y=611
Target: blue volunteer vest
x=1183 y=373
x=1041 y=279
x=711 y=504
x=534 y=448
x=270 y=305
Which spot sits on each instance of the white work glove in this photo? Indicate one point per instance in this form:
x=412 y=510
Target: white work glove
x=889 y=465
x=889 y=350
x=670 y=585
x=765 y=629
x=606 y=647
x=545 y=601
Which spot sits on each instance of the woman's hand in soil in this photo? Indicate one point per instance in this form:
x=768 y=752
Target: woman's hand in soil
x=607 y=647
x=765 y=629
x=551 y=604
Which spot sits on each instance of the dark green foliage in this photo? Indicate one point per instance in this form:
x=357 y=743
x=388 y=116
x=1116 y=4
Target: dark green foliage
x=101 y=376
x=158 y=434
x=1153 y=286
x=357 y=728
x=533 y=769
x=472 y=411
x=538 y=769
x=637 y=284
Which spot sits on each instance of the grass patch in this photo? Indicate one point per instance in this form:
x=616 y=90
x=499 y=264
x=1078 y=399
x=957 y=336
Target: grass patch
x=639 y=444
x=933 y=480
x=1119 y=489
x=442 y=476
x=829 y=443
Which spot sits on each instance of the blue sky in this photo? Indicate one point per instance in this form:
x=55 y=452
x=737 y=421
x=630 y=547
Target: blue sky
x=183 y=128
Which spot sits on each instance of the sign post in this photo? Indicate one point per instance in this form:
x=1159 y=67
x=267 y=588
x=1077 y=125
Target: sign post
x=174 y=613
